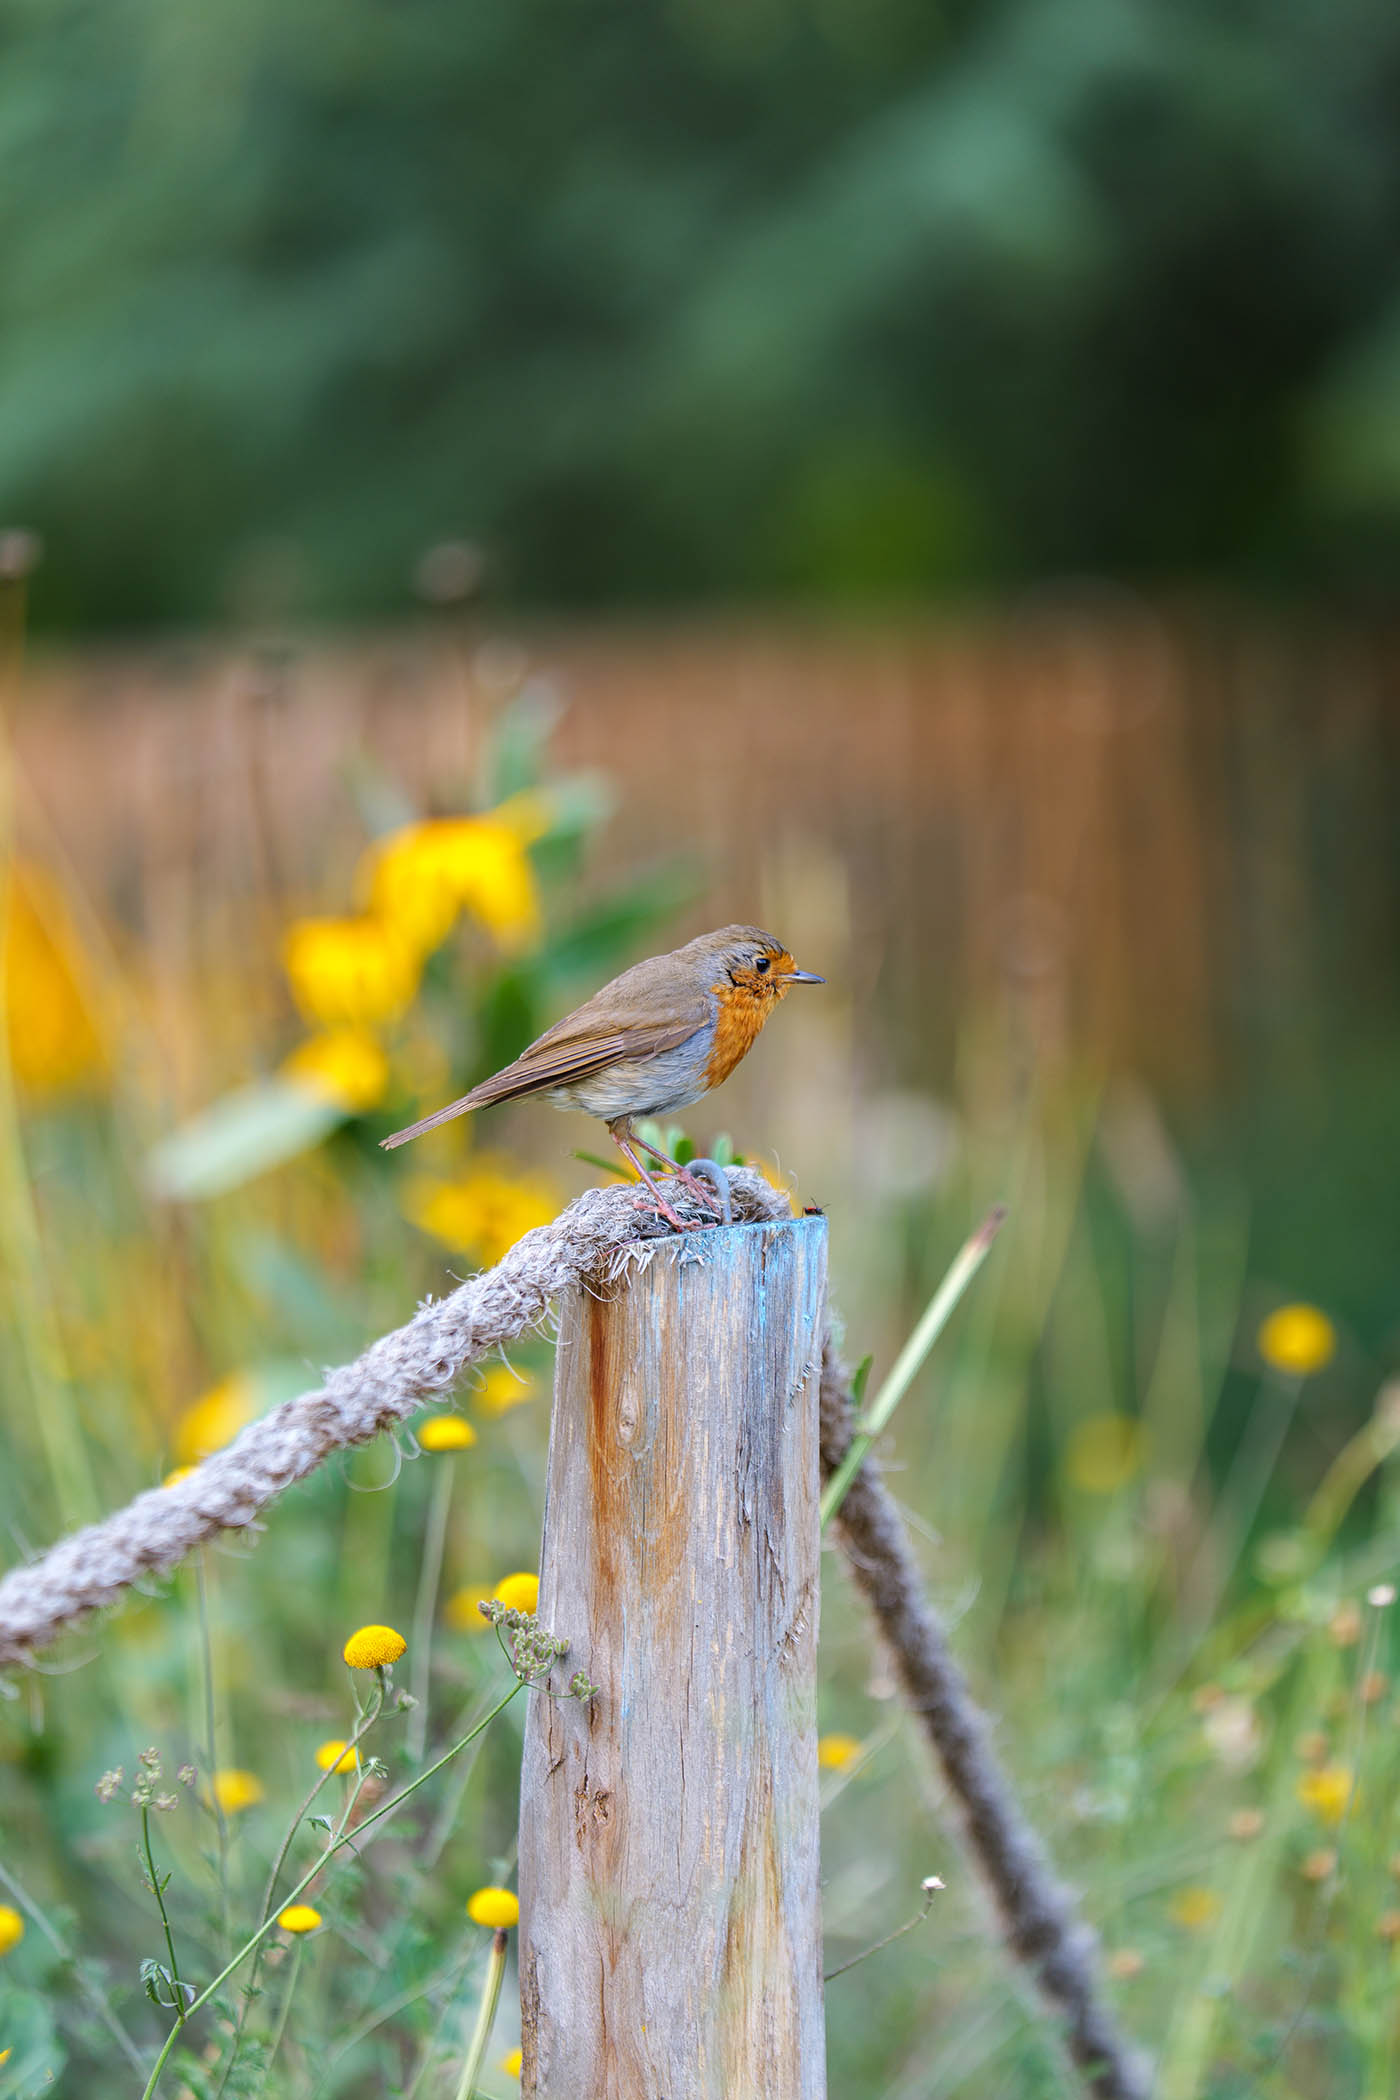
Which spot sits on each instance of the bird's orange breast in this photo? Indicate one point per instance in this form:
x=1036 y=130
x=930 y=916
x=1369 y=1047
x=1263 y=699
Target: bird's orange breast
x=741 y=1016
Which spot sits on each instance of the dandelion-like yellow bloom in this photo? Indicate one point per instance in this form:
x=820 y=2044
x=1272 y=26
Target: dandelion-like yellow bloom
x=177 y=1474
x=215 y=1418
x=835 y=1752
x=485 y=1211
x=460 y=1610
x=512 y=2062
x=502 y=1390
x=349 y=971
x=1194 y=1908
x=1103 y=1453
x=1297 y=1340
x=371 y=1647
x=335 y=1756
x=1327 y=1792
x=445 y=1433
x=11 y=1927
x=422 y=877
x=50 y=1007
x=519 y=1592
x=299 y=1917
x=495 y=1907
x=343 y=1065
x=234 y=1789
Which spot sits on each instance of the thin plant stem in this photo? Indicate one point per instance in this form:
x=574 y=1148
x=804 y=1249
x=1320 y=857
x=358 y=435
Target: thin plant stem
x=340 y=1840
x=96 y=1998
x=362 y=1728
x=425 y=1605
x=485 y=2016
x=280 y=2029
x=909 y=1362
x=931 y=1888
x=395 y=2005
x=206 y=1648
x=158 y=1891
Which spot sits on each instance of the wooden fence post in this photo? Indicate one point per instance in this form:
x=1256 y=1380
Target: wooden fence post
x=670 y=1938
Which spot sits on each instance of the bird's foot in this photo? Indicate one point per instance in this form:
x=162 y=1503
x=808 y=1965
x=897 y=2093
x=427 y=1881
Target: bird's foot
x=713 y=1188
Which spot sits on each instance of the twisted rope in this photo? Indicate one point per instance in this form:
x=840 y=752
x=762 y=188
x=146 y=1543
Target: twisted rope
x=592 y=1243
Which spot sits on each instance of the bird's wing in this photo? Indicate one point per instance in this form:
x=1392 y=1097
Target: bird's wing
x=579 y=1045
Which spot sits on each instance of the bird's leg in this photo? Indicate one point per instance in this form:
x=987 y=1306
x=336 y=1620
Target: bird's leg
x=700 y=1190
x=624 y=1146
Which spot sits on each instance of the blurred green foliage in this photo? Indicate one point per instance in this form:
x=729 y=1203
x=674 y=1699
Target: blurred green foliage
x=850 y=298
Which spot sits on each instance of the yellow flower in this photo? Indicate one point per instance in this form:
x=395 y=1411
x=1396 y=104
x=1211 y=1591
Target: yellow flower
x=11 y=1927
x=299 y=1917
x=1103 y=1454
x=835 y=1752
x=4 y=2056
x=373 y=1646
x=349 y=971
x=512 y=2061
x=1328 y=1792
x=335 y=1756
x=485 y=1211
x=502 y=1389
x=420 y=878
x=497 y=1907
x=215 y=1418
x=445 y=1433
x=50 y=1005
x=177 y=1474
x=1194 y=1908
x=519 y=1592
x=1297 y=1340
x=234 y=1789
x=460 y=1610
x=344 y=1065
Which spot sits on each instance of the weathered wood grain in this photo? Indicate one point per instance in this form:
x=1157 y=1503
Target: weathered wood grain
x=670 y=1942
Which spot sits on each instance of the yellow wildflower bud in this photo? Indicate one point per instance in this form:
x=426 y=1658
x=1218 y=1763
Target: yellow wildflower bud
x=335 y=1756
x=371 y=1647
x=177 y=1474
x=1327 y=1792
x=1194 y=1908
x=1103 y=1454
x=495 y=1907
x=485 y=1211
x=343 y=1065
x=299 y=1917
x=519 y=1592
x=216 y=1418
x=835 y=1752
x=446 y=1433
x=1297 y=1340
x=234 y=1789
x=512 y=2062
x=11 y=1927
x=461 y=1613
x=501 y=1390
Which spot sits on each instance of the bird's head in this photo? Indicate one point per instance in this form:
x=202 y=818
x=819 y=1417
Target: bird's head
x=746 y=959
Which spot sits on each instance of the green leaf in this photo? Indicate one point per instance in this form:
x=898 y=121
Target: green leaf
x=861 y=1380
x=515 y=758
x=240 y=1137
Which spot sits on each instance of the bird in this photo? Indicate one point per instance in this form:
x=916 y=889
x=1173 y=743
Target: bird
x=654 y=1040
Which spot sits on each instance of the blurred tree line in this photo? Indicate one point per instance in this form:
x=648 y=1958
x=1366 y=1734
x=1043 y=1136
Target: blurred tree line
x=679 y=298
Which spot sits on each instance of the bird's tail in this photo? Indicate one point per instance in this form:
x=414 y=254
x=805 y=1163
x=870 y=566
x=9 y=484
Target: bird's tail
x=441 y=1115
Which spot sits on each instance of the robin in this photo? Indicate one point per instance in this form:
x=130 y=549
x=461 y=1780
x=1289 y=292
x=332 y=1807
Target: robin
x=654 y=1040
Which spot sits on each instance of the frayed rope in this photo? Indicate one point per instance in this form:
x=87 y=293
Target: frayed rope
x=591 y=1244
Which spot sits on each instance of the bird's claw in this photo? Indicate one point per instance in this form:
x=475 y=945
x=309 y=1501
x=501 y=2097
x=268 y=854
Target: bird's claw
x=657 y=1204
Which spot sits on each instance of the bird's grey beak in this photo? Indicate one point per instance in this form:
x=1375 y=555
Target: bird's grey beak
x=804 y=977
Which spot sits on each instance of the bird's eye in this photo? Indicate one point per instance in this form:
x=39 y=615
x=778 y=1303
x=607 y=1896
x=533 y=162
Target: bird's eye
x=761 y=962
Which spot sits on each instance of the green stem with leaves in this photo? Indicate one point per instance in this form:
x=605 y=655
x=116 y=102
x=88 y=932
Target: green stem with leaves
x=337 y=1844
x=158 y=1891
